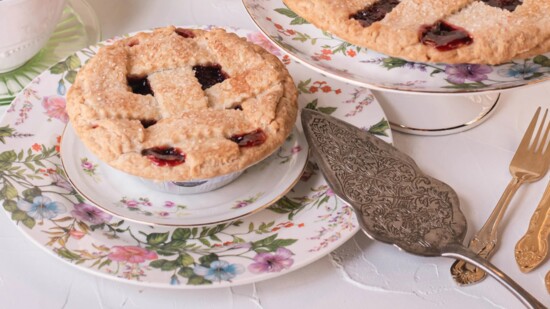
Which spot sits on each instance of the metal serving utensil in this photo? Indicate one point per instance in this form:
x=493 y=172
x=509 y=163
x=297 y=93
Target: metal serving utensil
x=394 y=201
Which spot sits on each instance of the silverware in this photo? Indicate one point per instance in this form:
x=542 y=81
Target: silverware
x=394 y=201
x=532 y=248
x=529 y=164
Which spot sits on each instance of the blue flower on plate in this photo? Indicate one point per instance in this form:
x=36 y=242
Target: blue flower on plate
x=174 y=280
x=219 y=271
x=41 y=208
x=523 y=71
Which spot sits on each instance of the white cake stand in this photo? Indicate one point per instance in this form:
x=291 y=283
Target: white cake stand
x=418 y=98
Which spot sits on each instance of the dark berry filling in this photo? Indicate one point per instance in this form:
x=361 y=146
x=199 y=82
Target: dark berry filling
x=164 y=155
x=509 y=5
x=444 y=36
x=209 y=75
x=254 y=138
x=374 y=12
x=140 y=85
x=133 y=43
x=238 y=107
x=186 y=33
x=147 y=122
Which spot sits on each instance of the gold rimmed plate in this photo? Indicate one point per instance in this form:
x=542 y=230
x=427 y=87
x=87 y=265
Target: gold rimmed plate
x=129 y=198
x=332 y=56
x=300 y=228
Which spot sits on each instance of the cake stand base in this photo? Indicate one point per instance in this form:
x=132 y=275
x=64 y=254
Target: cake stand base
x=436 y=114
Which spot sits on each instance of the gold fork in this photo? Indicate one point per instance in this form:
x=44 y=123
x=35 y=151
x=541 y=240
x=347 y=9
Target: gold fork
x=530 y=163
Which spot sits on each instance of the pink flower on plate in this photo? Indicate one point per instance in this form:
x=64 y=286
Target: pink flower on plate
x=76 y=234
x=272 y=262
x=296 y=149
x=259 y=39
x=87 y=165
x=131 y=203
x=55 y=107
x=131 y=254
x=91 y=214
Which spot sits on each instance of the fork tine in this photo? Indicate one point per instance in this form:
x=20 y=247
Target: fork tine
x=526 y=140
x=539 y=131
x=544 y=148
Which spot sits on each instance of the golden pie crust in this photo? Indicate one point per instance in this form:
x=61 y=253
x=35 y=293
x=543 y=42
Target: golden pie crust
x=258 y=93
x=498 y=35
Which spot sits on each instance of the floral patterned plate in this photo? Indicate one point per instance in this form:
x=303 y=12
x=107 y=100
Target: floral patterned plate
x=127 y=197
x=336 y=58
x=300 y=228
x=78 y=28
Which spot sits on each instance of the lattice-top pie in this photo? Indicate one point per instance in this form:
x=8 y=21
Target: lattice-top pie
x=450 y=31
x=179 y=104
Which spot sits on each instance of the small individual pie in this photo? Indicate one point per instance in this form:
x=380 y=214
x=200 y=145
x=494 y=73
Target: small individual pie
x=181 y=104
x=449 y=31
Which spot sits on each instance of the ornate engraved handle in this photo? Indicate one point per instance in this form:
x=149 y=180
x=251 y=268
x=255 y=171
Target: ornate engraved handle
x=483 y=243
x=532 y=248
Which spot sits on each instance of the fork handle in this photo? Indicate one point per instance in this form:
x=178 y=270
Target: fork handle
x=484 y=241
x=532 y=248
x=489 y=232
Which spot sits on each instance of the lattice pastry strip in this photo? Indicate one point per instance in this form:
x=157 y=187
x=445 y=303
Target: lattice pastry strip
x=181 y=104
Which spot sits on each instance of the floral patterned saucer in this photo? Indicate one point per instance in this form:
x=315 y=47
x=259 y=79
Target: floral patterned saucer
x=78 y=28
x=336 y=58
x=303 y=226
x=127 y=197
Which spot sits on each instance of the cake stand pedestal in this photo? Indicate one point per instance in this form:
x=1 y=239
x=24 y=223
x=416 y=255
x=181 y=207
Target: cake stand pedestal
x=436 y=114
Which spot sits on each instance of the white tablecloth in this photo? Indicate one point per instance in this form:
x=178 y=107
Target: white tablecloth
x=362 y=273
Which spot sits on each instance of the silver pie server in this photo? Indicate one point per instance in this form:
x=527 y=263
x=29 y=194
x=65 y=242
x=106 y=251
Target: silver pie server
x=395 y=202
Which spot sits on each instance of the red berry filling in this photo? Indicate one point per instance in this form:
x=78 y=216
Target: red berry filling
x=374 y=12
x=133 y=43
x=140 y=85
x=254 y=138
x=186 y=33
x=209 y=75
x=164 y=155
x=147 y=122
x=444 y=36
x=509 y=5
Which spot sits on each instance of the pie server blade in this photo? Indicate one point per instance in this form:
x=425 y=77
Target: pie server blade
x=395 y=202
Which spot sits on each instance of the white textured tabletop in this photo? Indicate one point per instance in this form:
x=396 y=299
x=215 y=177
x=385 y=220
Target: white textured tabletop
x=361 y=273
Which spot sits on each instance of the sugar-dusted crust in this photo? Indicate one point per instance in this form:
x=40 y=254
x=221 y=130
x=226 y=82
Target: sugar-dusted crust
x=107 y=115
x=498 y=35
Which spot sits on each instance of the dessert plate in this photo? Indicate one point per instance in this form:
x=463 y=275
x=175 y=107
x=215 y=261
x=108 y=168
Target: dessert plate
x=336 y=58
x=303 y=226
x=77 y=28
x=125 y=196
